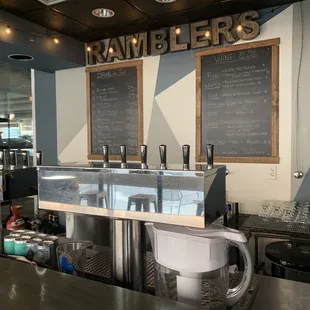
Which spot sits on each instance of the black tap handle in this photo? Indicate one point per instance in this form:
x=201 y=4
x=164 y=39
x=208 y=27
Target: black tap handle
x=123 y=154
x=163 y=156
x=186 y=152
x=210 y=155
x=143 y=150
x=2 y=158
x=39 y=157
x=25 y=157
x=12 y=158
x=105 y=152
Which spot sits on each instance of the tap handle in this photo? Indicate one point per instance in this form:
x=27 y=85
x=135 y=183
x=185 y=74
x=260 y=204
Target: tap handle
x=163 y=156
x=123 y=156
x=25 y=157
x=105 y=152
x=210 y=155
x=39 y=157
x=186 y=153
x=2 y=159
x=12 y=158
x=143 y=150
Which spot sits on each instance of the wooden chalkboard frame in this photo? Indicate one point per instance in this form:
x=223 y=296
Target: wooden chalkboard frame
x=139 y=65
x=274 y=158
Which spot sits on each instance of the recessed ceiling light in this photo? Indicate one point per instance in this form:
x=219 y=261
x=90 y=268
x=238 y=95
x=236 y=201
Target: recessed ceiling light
x=103 y=13
x=20 y=57
x=165 y=1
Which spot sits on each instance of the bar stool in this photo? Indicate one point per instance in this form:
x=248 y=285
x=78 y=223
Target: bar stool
x=142 y=201
x=96 y=198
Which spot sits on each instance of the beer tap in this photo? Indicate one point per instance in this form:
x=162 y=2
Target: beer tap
x=123 y=156
x=186 y=154
x=12 y=161
x=25 y=158
x=143 y=150
x=39 y=157
x=163 y=156
x=105 y=152
x=1 y=159
x=210 y=155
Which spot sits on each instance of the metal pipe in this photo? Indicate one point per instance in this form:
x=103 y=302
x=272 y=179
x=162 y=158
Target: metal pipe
x=210 y=155
x=143 y=151
x=123 y=156
x=163 y=156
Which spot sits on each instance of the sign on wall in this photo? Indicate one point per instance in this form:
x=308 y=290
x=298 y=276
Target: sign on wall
x=237 y=102
x=202 y=34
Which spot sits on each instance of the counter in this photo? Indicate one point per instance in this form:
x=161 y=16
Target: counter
x=24 y=286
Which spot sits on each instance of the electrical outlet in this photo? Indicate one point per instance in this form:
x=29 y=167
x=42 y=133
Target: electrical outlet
x=272 y=172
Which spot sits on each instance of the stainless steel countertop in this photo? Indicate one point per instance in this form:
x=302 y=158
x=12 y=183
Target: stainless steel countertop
x=279 y=294
x=23 y=286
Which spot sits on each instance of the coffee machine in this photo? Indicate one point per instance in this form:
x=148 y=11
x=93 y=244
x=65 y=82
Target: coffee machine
x=178 y=202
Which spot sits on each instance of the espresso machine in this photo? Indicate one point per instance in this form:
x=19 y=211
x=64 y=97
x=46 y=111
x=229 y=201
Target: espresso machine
x=176 y=204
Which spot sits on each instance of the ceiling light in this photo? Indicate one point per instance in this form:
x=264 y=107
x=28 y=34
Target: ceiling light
x=88 y=48
x=207 y=34
x=20 y=57
x=134 y=41
x=239 y=28
x=30 y=98
x=111 y=50
x=103 y=13
x=8 y=30
x=165 y=1
x=11 y=116
x=178 y=30
x=56 y=40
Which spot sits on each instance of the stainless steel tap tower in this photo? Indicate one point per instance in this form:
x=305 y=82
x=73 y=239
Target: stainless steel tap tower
x=134 y=196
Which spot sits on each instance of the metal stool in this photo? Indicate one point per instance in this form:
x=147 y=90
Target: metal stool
x=95 y=198
x=142 y=201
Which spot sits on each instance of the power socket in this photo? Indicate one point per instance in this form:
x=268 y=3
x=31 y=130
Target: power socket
x=272 y=172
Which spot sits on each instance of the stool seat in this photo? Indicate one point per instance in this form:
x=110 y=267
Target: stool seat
x=142 y=201
x=95 y=197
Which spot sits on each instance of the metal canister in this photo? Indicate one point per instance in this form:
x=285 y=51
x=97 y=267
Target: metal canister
x=37 y=239
x=8 y=245
x=19 y=231
x=54 y=239
x=31 y=249
x=25 y=237
x=20 y=247
x=42 y=255
x=52 y=252
x=41 y=236
x=30 y=233
x=15 y=234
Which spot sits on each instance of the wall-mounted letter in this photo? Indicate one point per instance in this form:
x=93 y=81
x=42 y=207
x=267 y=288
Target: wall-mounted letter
x=159 y=43
x=198 y=38
x=139 y=49
x=222 y=25
x=250 y=28
x=175 y=45
x=118 y=51
x=95 y=55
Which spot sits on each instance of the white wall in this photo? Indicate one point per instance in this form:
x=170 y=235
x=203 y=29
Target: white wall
x=246 y=183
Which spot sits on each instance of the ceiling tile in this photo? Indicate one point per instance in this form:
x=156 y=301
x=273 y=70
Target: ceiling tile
x=154 y=9
x=57 y=22
x=20 y=6
x=81 y=10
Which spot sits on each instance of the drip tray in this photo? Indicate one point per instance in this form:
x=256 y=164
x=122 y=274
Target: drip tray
x=99 y=265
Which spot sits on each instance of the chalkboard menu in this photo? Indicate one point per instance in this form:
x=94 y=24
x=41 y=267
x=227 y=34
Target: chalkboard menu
x=115 y=109
x=237 y=102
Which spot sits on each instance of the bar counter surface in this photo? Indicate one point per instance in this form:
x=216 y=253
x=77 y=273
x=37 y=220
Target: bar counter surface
x=23 y=286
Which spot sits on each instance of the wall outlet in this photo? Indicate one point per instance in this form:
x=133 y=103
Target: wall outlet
x=272 y=172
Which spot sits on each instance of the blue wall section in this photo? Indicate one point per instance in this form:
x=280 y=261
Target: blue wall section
x=45 y=116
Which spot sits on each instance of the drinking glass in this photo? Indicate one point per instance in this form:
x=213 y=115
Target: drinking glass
x=71 y=258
